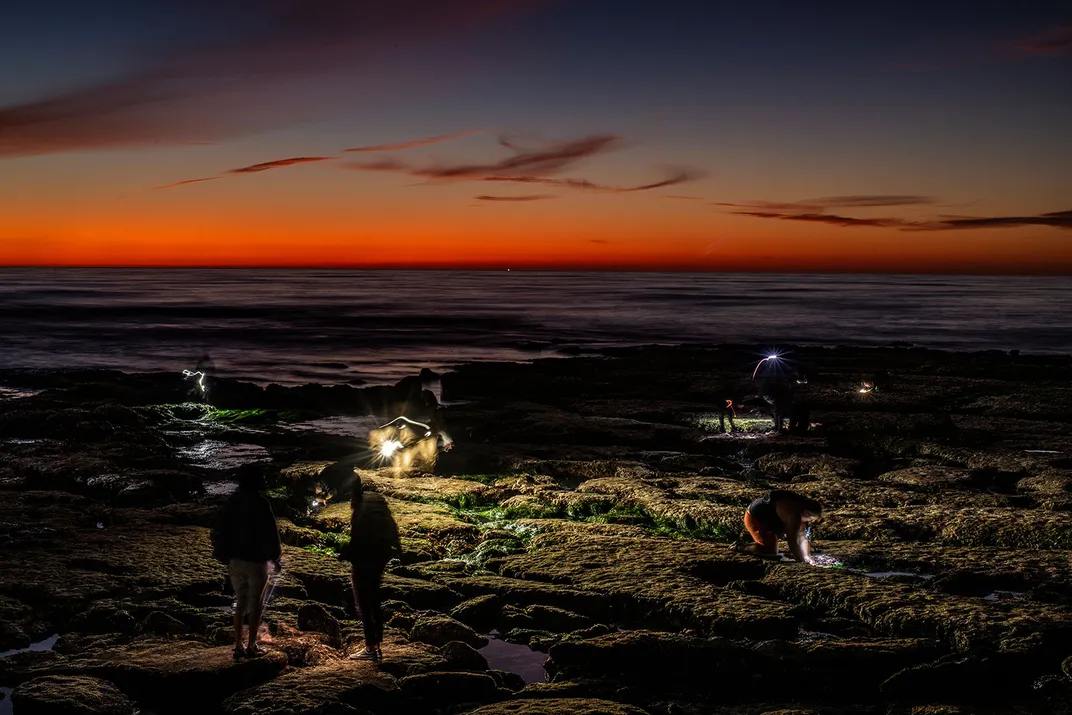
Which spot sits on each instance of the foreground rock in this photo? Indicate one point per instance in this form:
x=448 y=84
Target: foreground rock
x=71 y=695
x=553 y=706
x=584 y=511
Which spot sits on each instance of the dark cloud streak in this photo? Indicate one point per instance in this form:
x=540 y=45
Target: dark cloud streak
x=1055 y=219
x=198 y=90
x=188 y=181
x=278 y=164
x=1056 y=41
x=829 y=219
x=529 y=197
x=531 y=166
x=818 y=205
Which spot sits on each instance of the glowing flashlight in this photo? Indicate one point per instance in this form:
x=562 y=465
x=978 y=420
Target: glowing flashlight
x=389 y=447
x=772 y=356
x=866 y=388
x=200 y=379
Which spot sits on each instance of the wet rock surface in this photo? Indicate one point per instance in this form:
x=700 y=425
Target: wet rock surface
x=582 y=516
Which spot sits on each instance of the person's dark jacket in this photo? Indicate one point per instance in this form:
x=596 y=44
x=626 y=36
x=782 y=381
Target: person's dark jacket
x=246 y=530
x=374 y=536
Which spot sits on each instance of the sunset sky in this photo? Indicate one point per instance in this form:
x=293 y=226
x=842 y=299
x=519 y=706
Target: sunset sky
x=833 y=136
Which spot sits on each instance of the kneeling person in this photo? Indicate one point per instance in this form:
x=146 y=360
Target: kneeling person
x=781 y=514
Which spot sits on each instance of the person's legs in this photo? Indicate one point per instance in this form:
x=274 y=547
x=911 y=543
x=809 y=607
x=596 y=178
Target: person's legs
x=766 y=541
x=375 y=604
x=364 y=612
x=258 y=579
x=241 y=584
x=365 y=579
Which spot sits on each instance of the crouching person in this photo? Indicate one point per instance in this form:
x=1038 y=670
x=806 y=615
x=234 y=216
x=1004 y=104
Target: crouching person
x=780 y=514
x=246 y=538
x=374 y=541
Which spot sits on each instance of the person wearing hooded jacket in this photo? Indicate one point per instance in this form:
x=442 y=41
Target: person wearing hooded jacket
x=374 y=541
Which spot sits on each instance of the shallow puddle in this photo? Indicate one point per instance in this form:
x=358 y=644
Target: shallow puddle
x=220 y=489
x=812 y=636
x=42 y=645
x=340 y=426
x=213 y=454
x=905 y=574
x=16 y=393
x=1003 y=596
x=514 y=658
x=5 y=701
x=826 y=561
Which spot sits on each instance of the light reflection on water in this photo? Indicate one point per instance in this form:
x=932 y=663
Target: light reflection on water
x=213 y=454
x=41 y=645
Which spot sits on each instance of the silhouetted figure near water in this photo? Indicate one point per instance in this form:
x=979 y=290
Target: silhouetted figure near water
x=374 y=541
x=776 y=382
x=780 y=514
x=246 y=538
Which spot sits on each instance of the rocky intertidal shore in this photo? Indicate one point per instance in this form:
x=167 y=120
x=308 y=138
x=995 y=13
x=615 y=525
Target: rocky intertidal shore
x=568 y=554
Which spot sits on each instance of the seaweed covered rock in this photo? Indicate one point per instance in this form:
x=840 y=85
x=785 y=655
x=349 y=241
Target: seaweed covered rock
x=481 y=612
x=555 y=706
x=785 y=465
x=674 y=582
x=70 y=695
x=314 y=617
x=356 y=684
x=173 y=673
x=462 y=656
x=438 y=689
x=438 y=630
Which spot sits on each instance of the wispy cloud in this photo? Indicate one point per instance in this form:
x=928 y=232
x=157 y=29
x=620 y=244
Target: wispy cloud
x=680 y=176
x=278 y=164
x=416 y=143
x=528 y=197
x=1055 y=219
x=531 y=166
x=1055 y=41
x=188 y=181
x=829 y=219
x=818 y=205
x=252 y=169
x=526 y=166
x=872 y=200
x=536 y=162
x=202 y=90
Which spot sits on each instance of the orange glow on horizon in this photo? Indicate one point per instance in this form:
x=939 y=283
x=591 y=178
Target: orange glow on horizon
x=242 y=229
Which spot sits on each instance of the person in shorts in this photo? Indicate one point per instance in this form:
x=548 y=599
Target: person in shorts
x=780 y=514
x=246 y=538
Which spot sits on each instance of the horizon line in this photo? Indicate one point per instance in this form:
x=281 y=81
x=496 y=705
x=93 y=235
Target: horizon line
x=1065 y=273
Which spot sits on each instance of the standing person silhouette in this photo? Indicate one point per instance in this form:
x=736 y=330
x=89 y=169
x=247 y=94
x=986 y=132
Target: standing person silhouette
x=246 y=538
x=374 y=541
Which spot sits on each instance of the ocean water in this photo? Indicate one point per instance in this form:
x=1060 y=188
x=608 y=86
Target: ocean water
x=336 y=326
